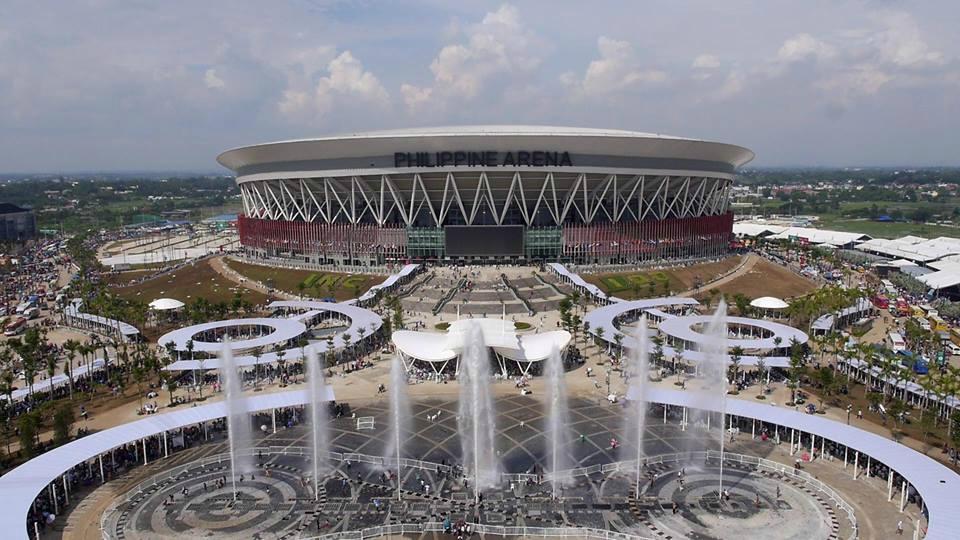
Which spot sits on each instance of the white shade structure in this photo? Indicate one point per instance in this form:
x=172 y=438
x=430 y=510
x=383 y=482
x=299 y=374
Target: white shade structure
x=166 y=304
x=769 y=302
x=437 y=349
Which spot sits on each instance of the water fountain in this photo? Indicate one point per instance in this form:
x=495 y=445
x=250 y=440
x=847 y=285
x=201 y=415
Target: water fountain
x=399 y=412
x=238 y=420
x=710 y=391
x=639 y=371
x=557 y=421
x=319 y=430
x=475 y=418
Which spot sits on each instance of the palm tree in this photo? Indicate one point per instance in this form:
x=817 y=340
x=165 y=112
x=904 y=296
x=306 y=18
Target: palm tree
x=280 y=353
x=71 y=347
x=736 y=354
x=599 y=334
x=761 y=368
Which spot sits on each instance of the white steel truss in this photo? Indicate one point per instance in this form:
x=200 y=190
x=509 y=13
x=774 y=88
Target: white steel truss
x=534 y=198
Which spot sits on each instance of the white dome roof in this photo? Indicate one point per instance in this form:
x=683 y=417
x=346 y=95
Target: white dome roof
x=769 y=302
x=165 y=304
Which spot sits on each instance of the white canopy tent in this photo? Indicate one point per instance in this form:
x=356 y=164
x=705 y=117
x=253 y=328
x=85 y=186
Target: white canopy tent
x=166 y=304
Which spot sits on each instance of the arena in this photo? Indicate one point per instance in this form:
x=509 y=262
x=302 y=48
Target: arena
x=486 y=194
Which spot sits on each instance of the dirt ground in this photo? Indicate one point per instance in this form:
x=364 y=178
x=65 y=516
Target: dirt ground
x=198 y=280
x=346 y=286
x=768 y=279
x=680 y=278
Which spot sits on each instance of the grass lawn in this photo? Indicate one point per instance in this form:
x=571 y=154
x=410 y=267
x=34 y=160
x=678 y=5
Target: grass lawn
x=317 y=284
x=632 y=285
x=198 y=280
x=122 y=278
x=878 y=229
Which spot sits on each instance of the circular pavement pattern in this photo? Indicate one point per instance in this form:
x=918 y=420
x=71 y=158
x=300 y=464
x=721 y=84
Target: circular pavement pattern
x=356 y=496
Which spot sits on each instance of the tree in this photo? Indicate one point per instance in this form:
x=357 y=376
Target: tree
x=257 y=353
x=62 y=421
x=678 y=366
x=742 y=303
x=761 y=369
x=736 y=355
x=27 y=425
x=926 y=426
x=827 y=381
x=172 y=384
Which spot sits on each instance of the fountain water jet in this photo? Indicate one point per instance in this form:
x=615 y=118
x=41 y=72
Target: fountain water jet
x=639 y=371
x=557 y=420
x=475 y=416
x=710 y=392
x=319 y=430
x=399 y=412
x=238 y=420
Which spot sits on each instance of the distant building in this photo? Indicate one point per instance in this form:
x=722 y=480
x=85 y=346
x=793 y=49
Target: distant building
x=16 y=223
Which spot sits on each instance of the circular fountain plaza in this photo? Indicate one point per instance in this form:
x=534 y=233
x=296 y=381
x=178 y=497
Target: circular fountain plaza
x=451 y=442
x=278 y=500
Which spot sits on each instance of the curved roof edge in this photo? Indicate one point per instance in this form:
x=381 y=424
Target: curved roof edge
x=234 y=158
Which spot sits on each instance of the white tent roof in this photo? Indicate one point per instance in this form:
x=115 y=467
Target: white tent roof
x=769 y=302
x=747 y=228
x=820 y=236
x=425 y=346
x=496 y=333
x=165 y=304
x=537 y=347
x=914 y=248
x=438 y=347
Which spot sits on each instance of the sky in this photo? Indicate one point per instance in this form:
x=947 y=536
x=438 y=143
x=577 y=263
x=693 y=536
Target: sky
x=112 y=85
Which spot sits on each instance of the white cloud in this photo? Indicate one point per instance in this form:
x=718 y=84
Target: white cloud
x=345 y=82
x=616 y=70
x=900 y=41
x=803 y=47
x=863 y=79
x=211 y=79
x=706 y=61
x=498 y=46
x=415 y=97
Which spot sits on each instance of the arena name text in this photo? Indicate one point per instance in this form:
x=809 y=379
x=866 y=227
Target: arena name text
x=482 y=159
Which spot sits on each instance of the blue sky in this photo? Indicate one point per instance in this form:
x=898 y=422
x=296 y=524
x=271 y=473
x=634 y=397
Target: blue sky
x=146 y=85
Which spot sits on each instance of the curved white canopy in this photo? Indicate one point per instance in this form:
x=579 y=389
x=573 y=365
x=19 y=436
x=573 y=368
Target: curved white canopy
x=282 y=330
x=536 y=347
x=166 y=304
x=21 y=486
x=936 y=483
x=425 y=346
x=769 y=302
x=685 y=328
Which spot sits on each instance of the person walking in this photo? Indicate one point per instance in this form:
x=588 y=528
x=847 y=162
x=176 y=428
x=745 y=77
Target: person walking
x=900 y=528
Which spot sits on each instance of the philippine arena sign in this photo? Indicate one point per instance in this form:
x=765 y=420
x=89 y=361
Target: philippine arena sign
x=482 y=159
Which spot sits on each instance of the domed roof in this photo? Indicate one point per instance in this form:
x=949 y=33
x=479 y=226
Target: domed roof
x=165 y=304
x=769 y=302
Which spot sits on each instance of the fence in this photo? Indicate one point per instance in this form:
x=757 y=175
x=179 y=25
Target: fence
x=493 y=530
x=110 y=518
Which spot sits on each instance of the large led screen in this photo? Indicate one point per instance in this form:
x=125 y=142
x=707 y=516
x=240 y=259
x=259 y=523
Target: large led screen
x=462 y=240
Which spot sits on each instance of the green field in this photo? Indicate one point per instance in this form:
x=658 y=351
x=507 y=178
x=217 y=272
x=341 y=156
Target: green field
x=631 y=282
x=315 y=284
x=878 y=229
